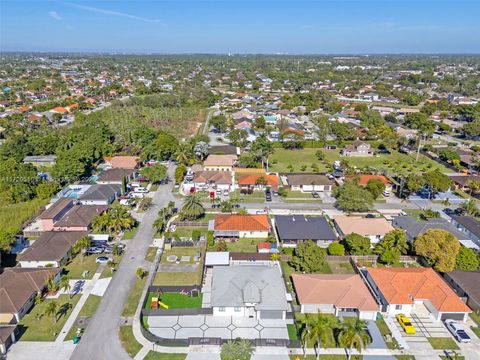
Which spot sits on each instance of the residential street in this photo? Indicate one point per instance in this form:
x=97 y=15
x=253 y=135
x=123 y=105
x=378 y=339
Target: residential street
x=101 y=336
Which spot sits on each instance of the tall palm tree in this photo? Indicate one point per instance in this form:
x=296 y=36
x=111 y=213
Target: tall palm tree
x=192 y=207
x=120 y=219
x=64 y=284
x=184 y=152
x=353 y=334
x=51 y=310
x=51 y=284
x=82 y=245
x=318 y=328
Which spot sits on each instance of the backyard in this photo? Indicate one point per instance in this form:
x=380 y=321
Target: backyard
x=302 y=160
x=178 y=251
x=186 y=231
x=176 y=301
x=178 y=278
x=36 y=326
x=129 y=234
x=243 y=245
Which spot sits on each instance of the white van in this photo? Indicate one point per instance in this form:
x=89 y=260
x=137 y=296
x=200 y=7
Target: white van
x=135 y=185
x=141 y=190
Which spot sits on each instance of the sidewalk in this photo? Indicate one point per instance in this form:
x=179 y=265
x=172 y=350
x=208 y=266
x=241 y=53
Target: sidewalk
x=87 y=290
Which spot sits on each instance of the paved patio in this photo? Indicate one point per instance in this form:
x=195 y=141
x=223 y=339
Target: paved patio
x=184 y=327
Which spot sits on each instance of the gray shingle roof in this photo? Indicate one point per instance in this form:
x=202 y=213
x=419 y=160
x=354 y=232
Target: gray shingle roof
x=299 y=227
x=414 y=228
x=469 y=223
x=101 y=192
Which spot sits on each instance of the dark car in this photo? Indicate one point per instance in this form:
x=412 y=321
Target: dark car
x=448 y=211
x=315 y=195
x=268 y=195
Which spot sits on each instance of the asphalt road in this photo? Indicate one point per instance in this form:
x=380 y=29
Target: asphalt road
x=100 y=340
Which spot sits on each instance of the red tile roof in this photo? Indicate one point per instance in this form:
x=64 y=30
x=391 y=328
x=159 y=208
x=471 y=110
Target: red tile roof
x=242 y=222
x=251 y=179
x=364 y=179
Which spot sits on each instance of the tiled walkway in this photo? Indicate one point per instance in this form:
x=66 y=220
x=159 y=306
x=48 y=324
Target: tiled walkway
x=184 y=327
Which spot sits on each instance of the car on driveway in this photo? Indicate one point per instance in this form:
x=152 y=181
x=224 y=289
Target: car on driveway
x=457 y=331
x=315 y=195
x=103 y=259
x=405 y=323
x=94 y=250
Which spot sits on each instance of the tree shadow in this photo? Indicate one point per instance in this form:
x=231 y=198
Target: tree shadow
x=63 y=310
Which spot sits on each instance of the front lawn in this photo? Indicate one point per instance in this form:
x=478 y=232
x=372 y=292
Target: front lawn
x=36 y=326
x=153 y=355
x=176 y=301
x=134 y=297
x=152 y=251
x=129 y=234
x=129 y=343
x=79 y=264
x=476 y=319
x=292 y=332
x=107 y=270
x=443 y=343
x=88 y=310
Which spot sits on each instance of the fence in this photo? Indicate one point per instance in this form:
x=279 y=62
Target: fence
x=177 y=312
x=190 y=224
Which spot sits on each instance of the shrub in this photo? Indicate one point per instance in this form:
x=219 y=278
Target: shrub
x=336 y=248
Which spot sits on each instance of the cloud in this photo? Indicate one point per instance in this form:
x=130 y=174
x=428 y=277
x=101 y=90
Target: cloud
x=115 y=13
x=54 y=15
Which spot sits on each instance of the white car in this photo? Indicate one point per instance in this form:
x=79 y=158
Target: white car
x=103 y=259
x=457 y=331
x=136 y=195
x=141 y=190
x=135 y=184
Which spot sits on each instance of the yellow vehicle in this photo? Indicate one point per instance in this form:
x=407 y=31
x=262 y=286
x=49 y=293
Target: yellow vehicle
x=405 y=324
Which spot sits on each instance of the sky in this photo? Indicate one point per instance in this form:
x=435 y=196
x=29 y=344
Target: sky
x=247 y=26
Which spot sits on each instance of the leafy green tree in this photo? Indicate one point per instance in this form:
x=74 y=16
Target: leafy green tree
x=439 y=248
x=154 y=173
x=437 y=181
x=82 y=245
x=318 y=329
x=308 y=257
x=115 y=219
x=260 y=123
x=336 y=248
x=375 y=187
x=184 y=152
x=221 y=246
x=394 y=244
x=472 y=129
x=219 y=122
x=470 y=208
x=357 y=244
x=261 y=148
x=180 y=172
x=342 y=131
x=467 y=260
x=140 y=272
x=238 y=349
x=351 y=197
x=201 y=150
x=192 y=207
x=414 y=183
x=163 y=148
x=7 y=239
x=421 y=122
x=320 y=155
x=238 y=137
x=46 y=189
x=353 y=335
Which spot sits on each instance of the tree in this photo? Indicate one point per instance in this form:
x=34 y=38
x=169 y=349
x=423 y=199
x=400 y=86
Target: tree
x=82 y=245
x=318 y=328
x=342 y=131
x=180 y=172
x=238 y=349
x=115 y=219
x=219 y=122
x=260 y=123
x=192 y=207
x=336 y=248
x=221 y=245
x=46 y=189
x=52 y=284
x=375 y=187
x=467 y=260
x=183 y=152
x=394 y=244
x=64 y=284
x=261 y=148
x=351 y=197
x=439 y=248
x=155 y=173
x=421 y=122
x=140 y=272
x=357 y=244
x=51 y=309
x=163 y=148
x=437 y=181
x=323 y=129
x=238 y=137
x=472 y=129
x=320 y=155
x=414 y=183
x=470 y=208
x=201 y=150
x=353 y=334
x=308 y=257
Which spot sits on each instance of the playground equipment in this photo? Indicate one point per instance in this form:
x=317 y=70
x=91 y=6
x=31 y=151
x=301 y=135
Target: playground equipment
x=165 y=306
x=154 y=304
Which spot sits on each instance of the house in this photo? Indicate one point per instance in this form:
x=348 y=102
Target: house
x=258 y=182
x=357 y=148
x=7 y=337
x=237 y=226
x=307 y=182
x=79 y=218
x=462 y=182
x=337 y=294
x=52 y=248
x=467 y=285
x=402 y=290
x=219 y=162
x=101 y=194
x=18 y=289
x=372 y=228
x=122 y=162
x=292 y=229
x=115 y=176
x=414 y=228
x=470 y=226
x=216 y=180
x=54 y=213
x=249 y=291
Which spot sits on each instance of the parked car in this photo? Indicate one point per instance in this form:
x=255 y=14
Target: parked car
x=94 y=250
x=141 y=189
x=405 y=323
x=268 y=195
x=275 y=193
x=136 y=195
x=457 y=331
x=135 y=184
x=386 y=193
x=315 y=195
x=225 y=192
x=103 y=259
x=449 y=211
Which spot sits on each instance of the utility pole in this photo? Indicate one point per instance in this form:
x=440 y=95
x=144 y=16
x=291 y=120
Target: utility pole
x=418 y=149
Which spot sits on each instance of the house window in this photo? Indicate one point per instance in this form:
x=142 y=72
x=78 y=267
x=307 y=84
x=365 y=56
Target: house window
x=398 y=307
x=221 y=309
x=236 y=309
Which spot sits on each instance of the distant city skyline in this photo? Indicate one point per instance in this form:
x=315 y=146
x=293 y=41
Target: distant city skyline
x=242 y=27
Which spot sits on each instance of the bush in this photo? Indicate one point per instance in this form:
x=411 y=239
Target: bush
x=196 y=235
x=210 y=239
x=336 y=248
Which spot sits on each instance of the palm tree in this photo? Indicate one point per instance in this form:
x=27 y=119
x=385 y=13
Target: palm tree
x=353 y=334
x=395 y=240
x=473 y=186
x=119 y=219
x=51 y=310
x=192 y=207
x=82 y=245
x=184 y=152
x=238 y=349
x=64 y=284
x=51 y=284
x=318 y=328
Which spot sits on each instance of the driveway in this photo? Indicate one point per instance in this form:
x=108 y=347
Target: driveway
x=101 y=336
x=225 y=327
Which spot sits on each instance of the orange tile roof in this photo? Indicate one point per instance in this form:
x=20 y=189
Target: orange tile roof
x=123 y=162
x=59 y=109
x=251 y=179
x=403 y=286
x=242 y=222
x=343 y=291
x=364 y=179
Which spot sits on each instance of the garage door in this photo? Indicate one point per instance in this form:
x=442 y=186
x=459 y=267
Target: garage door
x=453 y=316
x=271 y=314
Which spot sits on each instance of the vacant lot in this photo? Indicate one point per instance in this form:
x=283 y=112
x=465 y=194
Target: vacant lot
x=178 y=278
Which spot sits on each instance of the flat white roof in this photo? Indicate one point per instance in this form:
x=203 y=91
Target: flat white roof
x=217 y=258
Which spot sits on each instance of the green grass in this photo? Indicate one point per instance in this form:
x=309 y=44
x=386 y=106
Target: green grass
x=326 y=357
x=129 y=234
x=43 y=329
x=404 y=357
x=79 y=264
x=292 y=332
x=129 y=343
x=152 y=355
x=443 y=343
x=186 y=231
x=12 y=216
x=179 y=252
x=176 y=301
x=107 y=270
x=244 y=245
x=134 y=297
x=177 y=278
x=394 y=162
x=338 y=267
x=88 y=310
x=459 y=357
x=475 y=317
x=152 y=251
x=298 y=195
